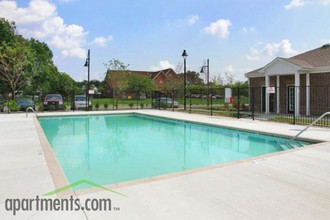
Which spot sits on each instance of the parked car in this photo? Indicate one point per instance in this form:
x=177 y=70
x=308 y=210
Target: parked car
x=53 y=99
x=25 y=103
x=2 y=104
x=80 y=102
x=217 y=97
x=165 y=102
x=195 y=95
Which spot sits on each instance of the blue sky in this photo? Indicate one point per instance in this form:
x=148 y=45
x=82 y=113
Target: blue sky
x=236 y=35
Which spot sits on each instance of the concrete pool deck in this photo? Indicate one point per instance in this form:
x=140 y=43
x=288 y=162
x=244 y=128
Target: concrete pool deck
x=288 y=185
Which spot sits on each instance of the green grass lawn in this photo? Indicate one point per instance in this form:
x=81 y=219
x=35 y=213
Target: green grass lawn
x=301 y=121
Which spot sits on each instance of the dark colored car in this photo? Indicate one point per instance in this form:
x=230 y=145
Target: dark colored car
x=2 y=104
x=25 y=103
x=165 y=102
x=53 y=99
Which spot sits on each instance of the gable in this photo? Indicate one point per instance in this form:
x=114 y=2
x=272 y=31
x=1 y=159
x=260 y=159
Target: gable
x=280 y=66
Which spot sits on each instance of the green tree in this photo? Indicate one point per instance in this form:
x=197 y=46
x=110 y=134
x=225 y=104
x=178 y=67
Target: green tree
x=173 y=84
x=14 y=62
x=66 y=84
x=193 y=78
x=116 y=76
x=6 y=38
x=7 y=30
x=43 y=71
x=139 y=84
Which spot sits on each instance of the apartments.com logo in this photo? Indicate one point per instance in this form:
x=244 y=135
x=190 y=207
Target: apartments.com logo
x=65 y=204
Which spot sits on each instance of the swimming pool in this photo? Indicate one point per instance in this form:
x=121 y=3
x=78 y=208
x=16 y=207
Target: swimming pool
x=108 y=149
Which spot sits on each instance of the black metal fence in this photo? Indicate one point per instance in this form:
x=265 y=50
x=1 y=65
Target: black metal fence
x=294 y=105
x=243 y=102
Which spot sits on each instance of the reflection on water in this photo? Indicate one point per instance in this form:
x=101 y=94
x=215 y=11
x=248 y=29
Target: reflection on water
x=115 y=148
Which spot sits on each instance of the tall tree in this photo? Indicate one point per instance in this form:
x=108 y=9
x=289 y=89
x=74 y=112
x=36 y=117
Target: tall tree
x=66 y=85
x=193 y=78
x=139 y=84
x=13 y=64
x=116 y=76
x=6 y=37
x=42 y=68
x=7 y=30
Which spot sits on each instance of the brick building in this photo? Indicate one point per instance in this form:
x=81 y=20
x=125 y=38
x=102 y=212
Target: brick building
x=160 y=78
x=299 y=85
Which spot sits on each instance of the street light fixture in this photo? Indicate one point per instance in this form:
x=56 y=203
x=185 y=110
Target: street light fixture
x=184 y=55
x=207 y=78
x=87 y=64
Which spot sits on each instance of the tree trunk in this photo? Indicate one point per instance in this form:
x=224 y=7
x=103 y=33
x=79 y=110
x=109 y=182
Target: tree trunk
x=13 y=95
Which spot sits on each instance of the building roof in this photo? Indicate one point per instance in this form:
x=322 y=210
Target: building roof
x=151 y=74
x=316 y=58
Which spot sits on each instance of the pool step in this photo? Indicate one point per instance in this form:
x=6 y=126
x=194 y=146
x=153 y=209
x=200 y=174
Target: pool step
x=289 y=145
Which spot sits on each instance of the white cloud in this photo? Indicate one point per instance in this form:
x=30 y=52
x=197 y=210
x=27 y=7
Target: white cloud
x=40 y=20
x=220 y=28
x=295 y=4
x=190 y=20
x=271 y=50
x=248 y=29
x=301 y=3
x=193 y=19
x=164 y=64
x=102 y=41
x=230 y=69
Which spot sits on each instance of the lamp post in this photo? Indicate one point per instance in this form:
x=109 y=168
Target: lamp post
x=207 y=78
x=184 y=55
x=87 y=64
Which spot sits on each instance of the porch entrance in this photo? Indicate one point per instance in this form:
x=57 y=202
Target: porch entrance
x=291 y=98
x=263 y=100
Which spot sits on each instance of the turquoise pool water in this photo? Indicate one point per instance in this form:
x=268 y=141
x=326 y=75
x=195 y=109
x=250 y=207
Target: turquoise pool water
x=108 y=149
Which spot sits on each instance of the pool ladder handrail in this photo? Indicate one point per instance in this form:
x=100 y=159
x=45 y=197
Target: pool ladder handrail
x=311 y=124
x=27 y=111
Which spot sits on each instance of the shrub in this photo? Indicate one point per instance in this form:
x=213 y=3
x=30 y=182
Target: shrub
x=97 y=106
x=163 y=105
x=245 y=107
x=131 y=105
x=41 y=108
x=226 y=106
x=142 y=105
x=106 y=105
x=12 y=106
x=52 y=108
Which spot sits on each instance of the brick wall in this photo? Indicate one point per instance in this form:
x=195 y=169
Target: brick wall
x=320 y=93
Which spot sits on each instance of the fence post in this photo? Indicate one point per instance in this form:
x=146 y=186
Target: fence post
x=252 y=107
x=210 y=95
x=172 y=94
x=238 y=102
x=190 y=103
x=113 y=102
x=137 y=100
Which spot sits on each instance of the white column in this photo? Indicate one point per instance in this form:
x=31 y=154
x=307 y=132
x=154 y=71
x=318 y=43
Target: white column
x=307 y=94
x=277 y=93
x=267 y=94
x=297 y=93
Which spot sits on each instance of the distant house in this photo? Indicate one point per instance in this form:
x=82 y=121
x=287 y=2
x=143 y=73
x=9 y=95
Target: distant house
x=160 y=78
x=299 y=85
